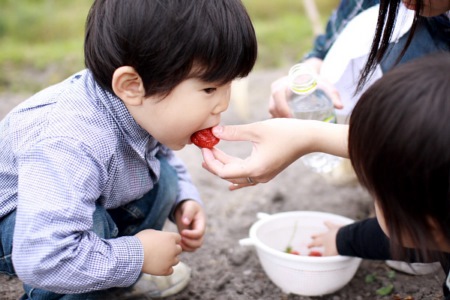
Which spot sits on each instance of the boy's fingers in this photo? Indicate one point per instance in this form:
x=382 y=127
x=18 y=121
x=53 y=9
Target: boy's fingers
x=316 y=241
x=331 y=225
x=176 y=236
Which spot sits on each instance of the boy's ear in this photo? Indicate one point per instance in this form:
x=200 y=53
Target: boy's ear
x=128 y=85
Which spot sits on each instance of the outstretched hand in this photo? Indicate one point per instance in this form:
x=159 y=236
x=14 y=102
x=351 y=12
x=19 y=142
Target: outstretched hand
x=327 y=239
x=276 y=144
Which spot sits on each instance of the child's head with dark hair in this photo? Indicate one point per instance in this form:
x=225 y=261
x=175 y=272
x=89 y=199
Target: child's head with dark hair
x=171 y=62
x=168 y=41
x=399 y=144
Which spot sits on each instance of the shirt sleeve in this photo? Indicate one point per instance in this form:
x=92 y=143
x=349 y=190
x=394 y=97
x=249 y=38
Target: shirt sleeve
x=186 y=188
x=367 y=240
x=345 y=12
x=363 y=239
x=55 y=247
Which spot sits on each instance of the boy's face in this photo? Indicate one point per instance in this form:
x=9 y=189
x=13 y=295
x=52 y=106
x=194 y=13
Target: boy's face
x=191 y=106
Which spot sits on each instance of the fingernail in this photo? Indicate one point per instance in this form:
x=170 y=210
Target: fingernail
x=217 y=130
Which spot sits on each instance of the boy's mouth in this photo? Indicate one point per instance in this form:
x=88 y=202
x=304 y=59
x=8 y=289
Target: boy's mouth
x=204 y=138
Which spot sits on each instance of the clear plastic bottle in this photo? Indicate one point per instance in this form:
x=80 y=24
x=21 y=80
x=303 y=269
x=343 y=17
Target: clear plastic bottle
x=310 y=103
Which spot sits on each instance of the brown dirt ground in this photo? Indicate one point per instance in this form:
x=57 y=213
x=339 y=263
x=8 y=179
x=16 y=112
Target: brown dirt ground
x=222 y=269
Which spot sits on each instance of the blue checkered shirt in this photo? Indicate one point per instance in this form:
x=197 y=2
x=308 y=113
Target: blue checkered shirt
x=64 y=150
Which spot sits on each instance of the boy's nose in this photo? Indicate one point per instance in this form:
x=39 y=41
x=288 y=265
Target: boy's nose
x=224 y=102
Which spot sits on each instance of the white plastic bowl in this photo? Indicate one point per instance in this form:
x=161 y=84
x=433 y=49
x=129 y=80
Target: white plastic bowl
x=299 y=274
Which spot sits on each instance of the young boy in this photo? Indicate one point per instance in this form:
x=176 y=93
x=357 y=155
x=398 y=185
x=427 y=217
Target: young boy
x=398 y=142
x=88 y=176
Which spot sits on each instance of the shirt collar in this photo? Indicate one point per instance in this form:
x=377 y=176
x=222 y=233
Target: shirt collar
x=136 y=136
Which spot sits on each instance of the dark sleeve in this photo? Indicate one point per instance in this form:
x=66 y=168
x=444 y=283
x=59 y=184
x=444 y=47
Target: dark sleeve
x=367 y=240
x=363 y=239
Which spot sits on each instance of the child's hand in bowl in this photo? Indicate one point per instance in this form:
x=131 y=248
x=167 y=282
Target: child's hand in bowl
x=326 y=239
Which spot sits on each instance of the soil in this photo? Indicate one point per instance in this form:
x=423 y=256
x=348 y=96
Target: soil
x=222 y=269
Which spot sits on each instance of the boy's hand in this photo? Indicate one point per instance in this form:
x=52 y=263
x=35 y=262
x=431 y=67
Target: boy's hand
x=161 y=250
x=327 y=239
x=191 y=220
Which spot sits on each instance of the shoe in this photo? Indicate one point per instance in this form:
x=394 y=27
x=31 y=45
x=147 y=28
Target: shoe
x=151 y=286
x=414 y=268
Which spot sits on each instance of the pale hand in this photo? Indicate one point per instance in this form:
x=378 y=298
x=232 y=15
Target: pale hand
x=279 y=92
x=191 y=222
x=161 y=251
x=326 y=239
x=276 y=144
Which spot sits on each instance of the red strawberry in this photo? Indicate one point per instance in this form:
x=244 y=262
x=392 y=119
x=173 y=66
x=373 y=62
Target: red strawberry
x=291 y=251
x=315 y=253
x=204 y=138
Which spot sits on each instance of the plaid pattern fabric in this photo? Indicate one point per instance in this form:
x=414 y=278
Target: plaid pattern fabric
x=64 y=150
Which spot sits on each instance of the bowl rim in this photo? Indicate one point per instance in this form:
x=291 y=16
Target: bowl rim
x=299 y=258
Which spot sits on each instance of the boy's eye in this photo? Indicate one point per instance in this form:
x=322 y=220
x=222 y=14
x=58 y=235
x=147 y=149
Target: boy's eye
x=210 y=90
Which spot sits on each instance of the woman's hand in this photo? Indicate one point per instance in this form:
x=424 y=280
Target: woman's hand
x=277 y=143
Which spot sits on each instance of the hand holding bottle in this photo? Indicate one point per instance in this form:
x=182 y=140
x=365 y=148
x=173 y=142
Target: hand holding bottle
x=308 y=102
x=280 y=91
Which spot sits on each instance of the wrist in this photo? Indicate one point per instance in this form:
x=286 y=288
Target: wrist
x=327 y=138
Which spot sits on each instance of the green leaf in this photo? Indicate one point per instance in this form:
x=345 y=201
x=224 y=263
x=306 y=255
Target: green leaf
x=370 y=278
x=391 y=274
x=386 y=290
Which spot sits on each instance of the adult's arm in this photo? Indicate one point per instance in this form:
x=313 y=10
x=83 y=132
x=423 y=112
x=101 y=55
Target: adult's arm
x=277 y=143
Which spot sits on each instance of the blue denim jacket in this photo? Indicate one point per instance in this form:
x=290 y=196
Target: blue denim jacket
x=432 y=34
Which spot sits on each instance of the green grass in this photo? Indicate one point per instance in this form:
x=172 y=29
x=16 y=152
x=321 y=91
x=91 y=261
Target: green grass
x=42 y=40
x=283 y=29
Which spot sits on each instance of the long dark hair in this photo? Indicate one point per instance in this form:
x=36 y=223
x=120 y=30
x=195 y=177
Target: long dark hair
x=399 y=145
x=387 y=16
x=165 y=40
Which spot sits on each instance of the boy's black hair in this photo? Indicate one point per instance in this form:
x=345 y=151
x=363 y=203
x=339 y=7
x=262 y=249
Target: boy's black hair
x=399 y=144
x=165 y=40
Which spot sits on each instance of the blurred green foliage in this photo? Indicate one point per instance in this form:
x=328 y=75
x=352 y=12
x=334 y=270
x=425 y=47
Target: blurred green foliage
x=283 y=29
x=42 y=40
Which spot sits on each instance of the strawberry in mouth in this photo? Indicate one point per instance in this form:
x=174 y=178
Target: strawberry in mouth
x=204 y=138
